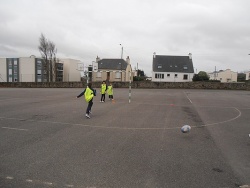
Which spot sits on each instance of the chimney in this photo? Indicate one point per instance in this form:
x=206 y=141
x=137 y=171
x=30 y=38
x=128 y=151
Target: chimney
x=128 y=60
x=154 y=54
x=190 y=56
x=97 y=59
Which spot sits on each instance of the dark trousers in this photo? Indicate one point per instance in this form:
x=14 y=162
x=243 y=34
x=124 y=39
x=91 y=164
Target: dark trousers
x=103 y=97
x=89 y=106
x=110 y=96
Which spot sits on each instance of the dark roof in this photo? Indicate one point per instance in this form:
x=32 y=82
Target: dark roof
x=112 y=64
x=163 y=63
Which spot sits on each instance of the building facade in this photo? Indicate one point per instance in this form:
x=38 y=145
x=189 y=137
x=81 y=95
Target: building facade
x=248 y=75
x=32 y=69
x=172 y=68
x=223 y=75
x=112 y=70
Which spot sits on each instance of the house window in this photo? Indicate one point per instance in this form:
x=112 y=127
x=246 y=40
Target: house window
x=159 y=66
x=160 y=76
x=118 y=75
x=98 y=75
x=168 y=75
x=176 y=75
x=185 y=67
x=175 y=65
x=185 y=77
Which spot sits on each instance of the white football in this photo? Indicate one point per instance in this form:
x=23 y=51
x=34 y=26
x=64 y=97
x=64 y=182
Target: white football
x=185 y=129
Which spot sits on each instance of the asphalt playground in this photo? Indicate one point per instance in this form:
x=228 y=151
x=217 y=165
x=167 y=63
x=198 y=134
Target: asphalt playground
x=46 y=141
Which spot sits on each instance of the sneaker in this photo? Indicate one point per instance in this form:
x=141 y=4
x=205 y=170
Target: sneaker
x=103 y=101
x=87 y=116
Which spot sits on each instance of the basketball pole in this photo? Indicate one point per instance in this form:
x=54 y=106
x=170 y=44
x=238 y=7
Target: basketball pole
x=129 y=95
x=130 y=82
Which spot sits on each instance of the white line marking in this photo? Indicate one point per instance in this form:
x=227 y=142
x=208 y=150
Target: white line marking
x=28 y=180
x=222 y=121
x=131 y=128
x=14 y=129
x=9 y=178
x=69 y=185
x=47 y=183
x=188 y=98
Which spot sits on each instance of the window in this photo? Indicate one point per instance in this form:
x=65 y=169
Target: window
x=98 y=75
x=185 y=67
x=159 y=66
x=185 y=77
x=118 y=75
x=175 y=75
x=175 y=65
x=160 y=76
x=168 y=75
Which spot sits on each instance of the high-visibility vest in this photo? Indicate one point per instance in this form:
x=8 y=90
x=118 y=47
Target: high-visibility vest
x=110 y=90
x=88 y=94
x=103 y=88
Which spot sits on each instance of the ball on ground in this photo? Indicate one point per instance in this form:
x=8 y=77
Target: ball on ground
x=185 y=129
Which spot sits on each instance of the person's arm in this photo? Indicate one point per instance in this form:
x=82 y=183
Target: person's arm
x=94 y=91
x=81 y=94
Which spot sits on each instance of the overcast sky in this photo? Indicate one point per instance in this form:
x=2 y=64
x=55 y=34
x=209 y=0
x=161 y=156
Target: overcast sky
x=216 y=32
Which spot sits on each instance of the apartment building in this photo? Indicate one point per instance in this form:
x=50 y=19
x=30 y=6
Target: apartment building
x=33 y=69
x=223 y=75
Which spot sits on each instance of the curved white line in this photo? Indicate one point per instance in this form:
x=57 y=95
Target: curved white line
x=128 y=128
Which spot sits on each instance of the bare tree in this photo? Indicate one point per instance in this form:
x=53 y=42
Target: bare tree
x=48 y=52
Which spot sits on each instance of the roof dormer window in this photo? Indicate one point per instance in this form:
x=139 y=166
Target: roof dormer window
x=159 y=66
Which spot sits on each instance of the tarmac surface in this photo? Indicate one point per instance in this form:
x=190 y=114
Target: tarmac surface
x=46 y=140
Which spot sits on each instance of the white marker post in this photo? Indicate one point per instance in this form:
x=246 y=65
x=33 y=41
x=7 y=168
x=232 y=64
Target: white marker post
x=129 y=95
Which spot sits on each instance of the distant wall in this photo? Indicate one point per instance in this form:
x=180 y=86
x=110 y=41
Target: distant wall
x=139 y=84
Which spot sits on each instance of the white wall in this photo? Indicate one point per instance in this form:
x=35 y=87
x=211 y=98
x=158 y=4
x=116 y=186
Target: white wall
x=27 y=69
x=3 y=69
x=172 y=77
x=247 y=75
x=70 y=70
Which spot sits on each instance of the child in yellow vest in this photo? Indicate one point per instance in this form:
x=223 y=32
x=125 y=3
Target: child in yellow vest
x=89 y=94
x=103 y=91
x=110 y=92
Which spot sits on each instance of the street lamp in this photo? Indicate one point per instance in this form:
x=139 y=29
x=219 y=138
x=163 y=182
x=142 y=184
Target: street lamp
x=122 y=51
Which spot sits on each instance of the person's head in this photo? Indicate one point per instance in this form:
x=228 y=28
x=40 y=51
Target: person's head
x=89 y=85
x=110 y=84
x=103 y=82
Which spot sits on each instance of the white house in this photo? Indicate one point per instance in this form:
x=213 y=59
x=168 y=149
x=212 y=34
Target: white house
x=223 y=75
x=168 y=68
